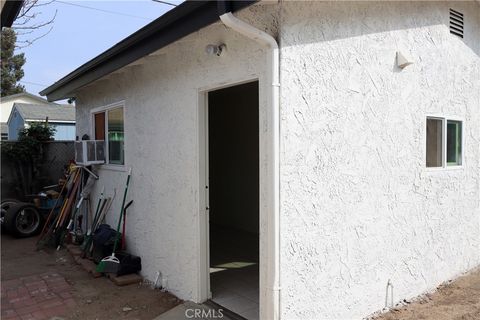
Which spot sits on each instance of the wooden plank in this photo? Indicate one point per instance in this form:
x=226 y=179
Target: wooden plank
x=127 y=279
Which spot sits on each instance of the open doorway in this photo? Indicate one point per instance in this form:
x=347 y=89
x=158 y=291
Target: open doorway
x=233 y=175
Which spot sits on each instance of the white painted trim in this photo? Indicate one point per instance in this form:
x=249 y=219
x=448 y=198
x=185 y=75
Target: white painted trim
x=106 y=108
x=204 y=292
x=227 y=84
x=51 y=121
x=113 y=167
x=203 y=287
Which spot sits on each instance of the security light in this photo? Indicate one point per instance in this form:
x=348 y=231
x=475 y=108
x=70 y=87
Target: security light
x=213 y=49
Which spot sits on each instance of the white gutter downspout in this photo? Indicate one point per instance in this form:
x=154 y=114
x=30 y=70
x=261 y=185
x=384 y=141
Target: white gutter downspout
x=273 y=175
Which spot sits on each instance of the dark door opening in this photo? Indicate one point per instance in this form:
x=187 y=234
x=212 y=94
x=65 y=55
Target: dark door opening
x=233 y=152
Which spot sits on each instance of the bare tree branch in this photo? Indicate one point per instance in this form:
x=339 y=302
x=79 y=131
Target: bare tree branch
x=38 y=25
x=22 y=33
x=29 y=42
x=26 y=7
x=25 y=23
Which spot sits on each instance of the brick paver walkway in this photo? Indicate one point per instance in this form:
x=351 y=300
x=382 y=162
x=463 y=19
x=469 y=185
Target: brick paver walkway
x=36 y=297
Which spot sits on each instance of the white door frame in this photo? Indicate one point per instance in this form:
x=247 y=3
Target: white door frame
x=204 y=292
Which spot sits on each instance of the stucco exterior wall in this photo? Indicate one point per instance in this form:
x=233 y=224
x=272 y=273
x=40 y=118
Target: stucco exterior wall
x=358 y=206
x=162 y=101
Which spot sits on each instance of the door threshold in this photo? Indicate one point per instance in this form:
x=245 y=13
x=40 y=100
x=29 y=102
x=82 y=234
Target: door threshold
x=228 y=314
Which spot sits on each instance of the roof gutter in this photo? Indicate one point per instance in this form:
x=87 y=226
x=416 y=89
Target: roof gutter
x=272 y=310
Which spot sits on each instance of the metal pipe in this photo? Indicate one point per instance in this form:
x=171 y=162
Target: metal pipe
x=89 y=171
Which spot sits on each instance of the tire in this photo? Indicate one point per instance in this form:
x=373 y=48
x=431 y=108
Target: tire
x=23 y=220
x=6 y=204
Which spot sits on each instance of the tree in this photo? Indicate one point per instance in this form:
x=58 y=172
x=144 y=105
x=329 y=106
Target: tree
x=11 y=63
x=29 y=26
x=25 y=27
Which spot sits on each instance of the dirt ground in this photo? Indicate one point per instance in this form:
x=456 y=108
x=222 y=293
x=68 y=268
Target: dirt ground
x=84 y=297
x=89 y=298
x=455 y=300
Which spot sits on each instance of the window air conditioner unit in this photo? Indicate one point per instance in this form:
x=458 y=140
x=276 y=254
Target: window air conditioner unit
x=89 y=152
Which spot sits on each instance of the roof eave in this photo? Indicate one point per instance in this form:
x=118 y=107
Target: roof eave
x=179 y=22
x=10 y=11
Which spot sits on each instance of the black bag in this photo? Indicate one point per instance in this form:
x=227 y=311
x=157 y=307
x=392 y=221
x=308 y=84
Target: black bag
x=128 y=263
x=103 y=240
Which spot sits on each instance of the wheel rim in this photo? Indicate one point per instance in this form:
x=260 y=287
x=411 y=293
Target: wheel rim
x=27 y=220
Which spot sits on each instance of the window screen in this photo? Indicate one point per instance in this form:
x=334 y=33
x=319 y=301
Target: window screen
x=454 y=143
x=115 y=136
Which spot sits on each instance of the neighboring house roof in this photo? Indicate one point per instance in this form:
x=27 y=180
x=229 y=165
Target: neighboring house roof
x=10 y=11
x=24 y=94
x=38 y=112
x=177 y=23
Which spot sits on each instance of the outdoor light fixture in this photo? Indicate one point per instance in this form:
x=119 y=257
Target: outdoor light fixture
x=402 y=61
x=213 y=49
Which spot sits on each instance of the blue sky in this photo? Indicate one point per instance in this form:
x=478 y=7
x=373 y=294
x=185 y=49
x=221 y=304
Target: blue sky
x=79 y=34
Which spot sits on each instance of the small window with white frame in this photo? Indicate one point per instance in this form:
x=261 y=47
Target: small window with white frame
x=108 y=125
x=444 y=142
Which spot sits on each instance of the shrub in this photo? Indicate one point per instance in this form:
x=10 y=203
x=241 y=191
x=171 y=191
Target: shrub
x=27 y=151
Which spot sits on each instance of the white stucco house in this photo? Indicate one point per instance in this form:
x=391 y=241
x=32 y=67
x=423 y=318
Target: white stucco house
x=6 y=105
x=293 y=160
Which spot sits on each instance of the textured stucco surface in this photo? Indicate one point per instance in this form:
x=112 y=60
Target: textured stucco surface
x=162 y=144
x=358 y=206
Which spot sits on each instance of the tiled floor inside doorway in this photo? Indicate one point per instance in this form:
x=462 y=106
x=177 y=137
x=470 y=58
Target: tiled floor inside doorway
x=234 y=271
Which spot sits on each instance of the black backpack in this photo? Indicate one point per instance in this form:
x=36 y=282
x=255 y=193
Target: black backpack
x=103 y=240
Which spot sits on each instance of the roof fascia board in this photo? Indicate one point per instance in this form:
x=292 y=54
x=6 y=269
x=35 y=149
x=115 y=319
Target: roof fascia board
x=144 y=32
x=10 y=11
x=185 y=19
x=50 y=121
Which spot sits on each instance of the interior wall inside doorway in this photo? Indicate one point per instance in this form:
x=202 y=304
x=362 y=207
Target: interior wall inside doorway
x=234 y=156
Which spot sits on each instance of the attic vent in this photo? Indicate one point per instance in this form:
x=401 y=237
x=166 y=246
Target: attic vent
x=456 y=23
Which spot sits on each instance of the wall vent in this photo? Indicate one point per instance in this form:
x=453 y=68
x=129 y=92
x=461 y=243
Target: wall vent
x=456 y=23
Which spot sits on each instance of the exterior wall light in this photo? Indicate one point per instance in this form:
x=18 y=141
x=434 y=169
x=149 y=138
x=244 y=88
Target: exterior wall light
x=402 y=61
x=213 y=49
